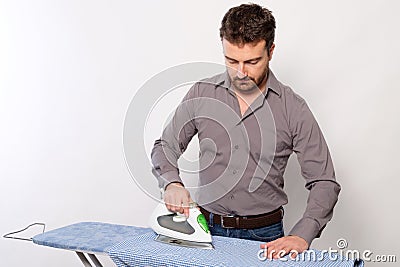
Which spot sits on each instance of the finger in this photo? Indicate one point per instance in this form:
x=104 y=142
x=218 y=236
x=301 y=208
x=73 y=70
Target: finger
x=178 y=207
x=271 y=253
x=272 y=243
x=181 y=209
x=275 y=250
x=282 y=252
x=276 y=241
x=193 y=203
x=174 y=207
x=171 y=204
x=272 y=247
x=293 y=254
x=185 y=207
x=167 y=202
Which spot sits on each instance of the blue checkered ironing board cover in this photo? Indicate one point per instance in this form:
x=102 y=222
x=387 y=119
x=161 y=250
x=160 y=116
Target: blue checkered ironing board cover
x=135 y=246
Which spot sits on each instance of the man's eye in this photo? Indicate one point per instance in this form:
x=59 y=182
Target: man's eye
x=232 y=62
x=253 y=62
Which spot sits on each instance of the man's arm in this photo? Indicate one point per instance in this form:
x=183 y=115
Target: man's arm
x=318 y=171
x=167 y=150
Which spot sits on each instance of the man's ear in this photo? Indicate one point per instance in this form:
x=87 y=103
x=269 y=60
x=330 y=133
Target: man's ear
x=271 y=51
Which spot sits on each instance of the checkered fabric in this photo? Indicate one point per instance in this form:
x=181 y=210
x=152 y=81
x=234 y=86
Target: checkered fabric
x=144 y=251
x=135 y=246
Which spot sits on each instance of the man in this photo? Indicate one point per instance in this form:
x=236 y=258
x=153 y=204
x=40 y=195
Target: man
x=248 y=124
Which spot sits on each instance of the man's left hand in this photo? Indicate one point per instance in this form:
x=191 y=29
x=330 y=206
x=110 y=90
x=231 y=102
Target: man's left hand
x=285 y=245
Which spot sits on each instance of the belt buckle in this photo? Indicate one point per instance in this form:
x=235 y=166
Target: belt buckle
x=222 y=221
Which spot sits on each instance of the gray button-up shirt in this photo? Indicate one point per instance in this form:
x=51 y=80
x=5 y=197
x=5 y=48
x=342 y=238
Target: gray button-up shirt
x=243 y=158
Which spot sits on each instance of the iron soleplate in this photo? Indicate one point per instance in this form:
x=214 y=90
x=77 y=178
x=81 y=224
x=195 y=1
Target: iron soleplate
x=183 y=243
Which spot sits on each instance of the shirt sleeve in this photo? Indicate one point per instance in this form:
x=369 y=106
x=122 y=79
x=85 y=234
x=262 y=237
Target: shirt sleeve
x=174 y=141
x=318 y=171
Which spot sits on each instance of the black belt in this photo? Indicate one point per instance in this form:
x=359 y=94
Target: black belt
x=245 y=222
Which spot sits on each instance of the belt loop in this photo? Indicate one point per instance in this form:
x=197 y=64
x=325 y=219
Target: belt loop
x=237 y=222
x=211 y=219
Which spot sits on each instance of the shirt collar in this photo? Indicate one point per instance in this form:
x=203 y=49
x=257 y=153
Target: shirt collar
x=273 y=83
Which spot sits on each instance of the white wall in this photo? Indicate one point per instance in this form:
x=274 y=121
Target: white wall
x=68 y=70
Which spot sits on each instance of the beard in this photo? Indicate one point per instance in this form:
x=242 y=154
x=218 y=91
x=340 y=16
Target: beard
x=249 y=84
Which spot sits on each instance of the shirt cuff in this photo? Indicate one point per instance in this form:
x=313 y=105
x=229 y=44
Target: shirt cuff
x=306 y=228
x=167 y=178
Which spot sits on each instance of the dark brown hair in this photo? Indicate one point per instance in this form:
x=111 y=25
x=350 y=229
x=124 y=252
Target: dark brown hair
x=248 y=23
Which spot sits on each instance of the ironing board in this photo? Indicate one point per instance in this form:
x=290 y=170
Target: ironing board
x=135 y=246
x=88 y=239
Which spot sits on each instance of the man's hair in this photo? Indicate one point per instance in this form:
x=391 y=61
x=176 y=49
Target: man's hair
x=248 y=23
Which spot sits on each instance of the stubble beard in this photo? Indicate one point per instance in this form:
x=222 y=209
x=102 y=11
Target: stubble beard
x=249 y=85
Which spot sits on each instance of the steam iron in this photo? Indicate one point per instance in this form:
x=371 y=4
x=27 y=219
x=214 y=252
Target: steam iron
x=176 y=229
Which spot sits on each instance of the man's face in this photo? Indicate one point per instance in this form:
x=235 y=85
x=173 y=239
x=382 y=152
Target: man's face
x=247 y=64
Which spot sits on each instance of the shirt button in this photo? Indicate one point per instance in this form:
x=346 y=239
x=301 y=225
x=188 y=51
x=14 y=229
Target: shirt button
x=236 y=146
x=232 y=197
x=234 y=171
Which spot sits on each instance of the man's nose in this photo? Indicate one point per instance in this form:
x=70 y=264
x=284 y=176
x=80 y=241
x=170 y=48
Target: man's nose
x=241 y=72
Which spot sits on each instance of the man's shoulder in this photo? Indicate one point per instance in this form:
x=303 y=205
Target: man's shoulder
x=290 y=101
x=288 y=94
x=215 y=80
x=207 y=86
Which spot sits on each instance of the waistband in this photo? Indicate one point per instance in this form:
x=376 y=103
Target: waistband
x=245 y=222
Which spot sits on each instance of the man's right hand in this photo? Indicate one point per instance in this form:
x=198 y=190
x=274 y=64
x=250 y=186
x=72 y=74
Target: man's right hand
x=177 y=198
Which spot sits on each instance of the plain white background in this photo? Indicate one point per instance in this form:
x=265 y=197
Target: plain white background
x=68 y=70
